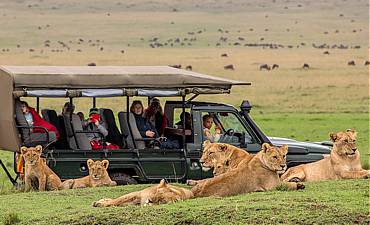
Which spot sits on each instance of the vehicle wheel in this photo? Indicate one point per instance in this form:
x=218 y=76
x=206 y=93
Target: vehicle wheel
x=122 y=178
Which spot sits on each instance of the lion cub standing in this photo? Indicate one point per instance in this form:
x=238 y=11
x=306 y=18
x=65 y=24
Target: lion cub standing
x=261 y=173
x=98 y=176
x=158 y=194
x=343 y=163
x=37 y=174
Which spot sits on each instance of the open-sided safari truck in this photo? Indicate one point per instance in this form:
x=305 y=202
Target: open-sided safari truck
x=134 y=161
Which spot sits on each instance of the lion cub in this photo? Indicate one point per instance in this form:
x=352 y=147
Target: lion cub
x=37 y=174
x=261 y=173
x=98 y=176
x=158 y=194
x=343 y=162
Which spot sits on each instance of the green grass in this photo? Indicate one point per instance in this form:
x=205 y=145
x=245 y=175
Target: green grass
x=334 y=202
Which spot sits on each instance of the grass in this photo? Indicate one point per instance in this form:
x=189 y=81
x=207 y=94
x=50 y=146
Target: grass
x=315 y=204
x=288 y=102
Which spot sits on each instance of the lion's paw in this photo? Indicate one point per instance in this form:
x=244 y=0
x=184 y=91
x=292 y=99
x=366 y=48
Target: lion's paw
x=101 y=202
x=295 y=179
x=300 y=186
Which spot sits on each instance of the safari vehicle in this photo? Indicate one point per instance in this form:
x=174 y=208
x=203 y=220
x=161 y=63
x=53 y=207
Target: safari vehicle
x=134 y=161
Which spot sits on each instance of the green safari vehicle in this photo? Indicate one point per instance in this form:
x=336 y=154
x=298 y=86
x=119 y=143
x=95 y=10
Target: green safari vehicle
x=134 y=161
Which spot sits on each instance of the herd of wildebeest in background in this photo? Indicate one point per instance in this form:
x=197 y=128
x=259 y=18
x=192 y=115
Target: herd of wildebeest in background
x=226 y=38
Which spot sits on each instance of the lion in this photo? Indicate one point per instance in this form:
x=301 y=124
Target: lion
x=217 y=152
x=159 y=194
x=221 y=157
x=343 y=162
x=98 y=176
x=262 y=172
x=37 y=174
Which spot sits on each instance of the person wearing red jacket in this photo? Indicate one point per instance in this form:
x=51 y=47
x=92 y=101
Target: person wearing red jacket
x=34 y=119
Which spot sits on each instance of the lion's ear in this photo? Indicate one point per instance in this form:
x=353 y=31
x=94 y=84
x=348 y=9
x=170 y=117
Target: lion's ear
x=227 y=162
x=333 y=136
x=206 y=143
x=222 y=147
x=105 y=163
x=353 y=132
x=38 y=148
x=284 y=149
x=24 y=149
x=90 y=162
x=162 y=183
x=265 y=147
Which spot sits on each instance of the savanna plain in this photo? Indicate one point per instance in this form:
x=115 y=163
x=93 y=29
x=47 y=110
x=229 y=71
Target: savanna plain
x=331 y=95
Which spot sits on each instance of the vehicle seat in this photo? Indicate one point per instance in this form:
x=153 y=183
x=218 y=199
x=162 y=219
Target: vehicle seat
x=75 y=140
x=29 y=138
x=51 y=116
x=114 y=135
x=124 y=124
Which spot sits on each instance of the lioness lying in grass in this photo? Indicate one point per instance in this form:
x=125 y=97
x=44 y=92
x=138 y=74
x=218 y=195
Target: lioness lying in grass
x=159 y=194
x=261 y=173
x=343 y=162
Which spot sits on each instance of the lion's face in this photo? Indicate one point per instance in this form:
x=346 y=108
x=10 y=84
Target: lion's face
x=274 y=158
x=221 y=166
x=31 y=155
x=97 y=169
x=210 y=152
x=345 y=143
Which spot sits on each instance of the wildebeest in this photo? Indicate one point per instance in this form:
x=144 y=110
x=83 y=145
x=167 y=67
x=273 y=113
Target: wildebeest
x=224 y=55
x=229 y=67
x=265 y=67
x=176 y=66
x=305 y=66
x=189 y=67
x=367 y=62
x=275 y=66
x=326 y=53
x=92 y=64
x=351 y=63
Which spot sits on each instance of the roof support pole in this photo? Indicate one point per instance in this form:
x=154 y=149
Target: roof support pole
x=94 y=102
x=38 y=104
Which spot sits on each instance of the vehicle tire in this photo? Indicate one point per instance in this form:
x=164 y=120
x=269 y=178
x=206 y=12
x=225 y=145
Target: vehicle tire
x=122 y=178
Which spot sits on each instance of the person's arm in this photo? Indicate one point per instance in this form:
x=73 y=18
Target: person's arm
x=101 y=129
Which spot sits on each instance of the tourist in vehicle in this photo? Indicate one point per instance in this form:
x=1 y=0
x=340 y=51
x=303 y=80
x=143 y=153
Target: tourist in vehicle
x=68 y=108
x=207 y=125
x=146 y=129
x=94 y=124
x=156 y=116
x=184 y=116
x=34 y=119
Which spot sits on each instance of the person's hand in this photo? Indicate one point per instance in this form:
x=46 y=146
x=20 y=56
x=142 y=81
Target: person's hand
x=218 y=129
x=97 y=122
x=149 y=133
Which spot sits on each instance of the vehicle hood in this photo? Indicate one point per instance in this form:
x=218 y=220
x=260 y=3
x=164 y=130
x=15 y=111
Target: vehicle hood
x=300 y=147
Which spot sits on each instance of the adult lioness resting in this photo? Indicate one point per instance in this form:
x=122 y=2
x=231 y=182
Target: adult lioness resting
x=214 y=153
x=343 y=162
x=37 y=174
x=158 y=194
x=98 y=176
x=262 y=173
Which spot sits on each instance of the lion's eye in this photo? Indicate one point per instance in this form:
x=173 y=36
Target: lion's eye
x=210 y=153
x=346 y=141
x=275 y=157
